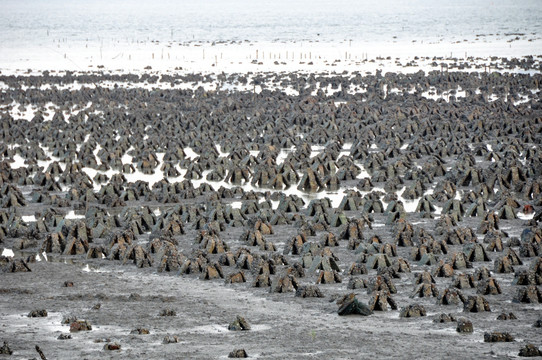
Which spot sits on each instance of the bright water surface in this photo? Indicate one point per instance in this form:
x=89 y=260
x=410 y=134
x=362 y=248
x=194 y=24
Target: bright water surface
x=30 y=23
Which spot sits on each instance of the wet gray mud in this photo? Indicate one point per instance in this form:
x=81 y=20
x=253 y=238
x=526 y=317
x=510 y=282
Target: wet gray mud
x=139 y=207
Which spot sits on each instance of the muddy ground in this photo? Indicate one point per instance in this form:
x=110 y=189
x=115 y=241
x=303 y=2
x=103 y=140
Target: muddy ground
x=283 y=326
x=119 y=298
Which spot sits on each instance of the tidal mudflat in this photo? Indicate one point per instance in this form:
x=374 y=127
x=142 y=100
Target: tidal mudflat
x=142 y=213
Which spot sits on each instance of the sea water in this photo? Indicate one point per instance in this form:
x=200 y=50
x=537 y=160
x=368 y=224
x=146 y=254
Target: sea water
x=228 y=35
x=29 y=22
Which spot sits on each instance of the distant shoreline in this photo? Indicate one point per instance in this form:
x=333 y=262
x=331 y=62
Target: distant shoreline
x=242 y=57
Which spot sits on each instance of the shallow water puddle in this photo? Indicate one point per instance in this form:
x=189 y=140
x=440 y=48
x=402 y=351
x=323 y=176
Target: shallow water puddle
x=42 y=257
x=28 y=218
x=236 y=204
x=8 y=253
x=523 y=216
x=223 y=329
x=71 y=215
x=52 y=323
x=96 y=269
